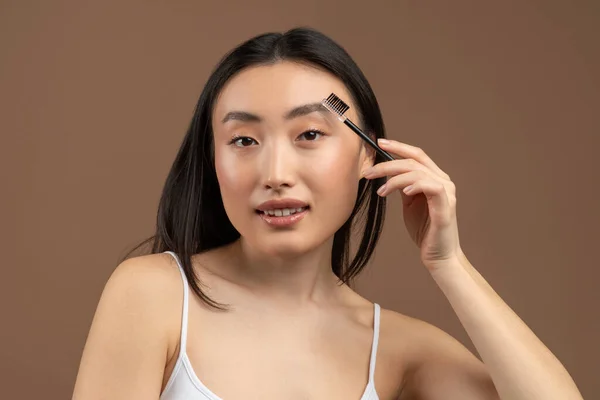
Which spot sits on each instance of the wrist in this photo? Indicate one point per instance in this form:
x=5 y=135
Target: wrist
x=457 y=262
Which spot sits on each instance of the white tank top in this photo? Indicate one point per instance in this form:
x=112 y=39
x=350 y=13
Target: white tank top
x=183 y=383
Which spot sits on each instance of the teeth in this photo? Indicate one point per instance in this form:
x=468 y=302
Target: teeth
x=284 y=212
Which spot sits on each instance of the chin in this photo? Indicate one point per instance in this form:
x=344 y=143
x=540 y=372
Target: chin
x=285 y=249
x=285 y=245
x=289 y=243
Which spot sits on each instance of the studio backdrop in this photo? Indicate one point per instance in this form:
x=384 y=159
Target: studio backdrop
x=95 y=98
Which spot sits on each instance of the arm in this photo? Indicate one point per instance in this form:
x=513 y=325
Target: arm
x=514 y=359
x=126 y=349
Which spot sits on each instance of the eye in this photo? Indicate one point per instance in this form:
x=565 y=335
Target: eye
x=242 y=141
x=312 y=134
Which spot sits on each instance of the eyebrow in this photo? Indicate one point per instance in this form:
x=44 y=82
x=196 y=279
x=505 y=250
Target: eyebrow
x=295 y=112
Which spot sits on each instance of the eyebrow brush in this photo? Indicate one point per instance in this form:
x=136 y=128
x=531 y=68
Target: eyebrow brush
x=338 y=108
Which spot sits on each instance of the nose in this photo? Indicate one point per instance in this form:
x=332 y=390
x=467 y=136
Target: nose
x=279 y=166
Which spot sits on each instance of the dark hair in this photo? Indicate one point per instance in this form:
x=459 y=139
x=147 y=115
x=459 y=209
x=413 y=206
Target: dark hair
x=191 y=217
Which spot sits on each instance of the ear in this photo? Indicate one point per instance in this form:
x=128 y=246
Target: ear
x=367 y=155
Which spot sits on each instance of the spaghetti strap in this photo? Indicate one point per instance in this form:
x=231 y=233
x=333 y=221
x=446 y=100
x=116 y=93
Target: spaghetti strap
x=184 y=317
x=376 y=317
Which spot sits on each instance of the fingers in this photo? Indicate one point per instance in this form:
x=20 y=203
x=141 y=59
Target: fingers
x=411 y=152
x=419 y=181
x=414 y=173
x=390 y=168
x=399 y=182
x=440 y=208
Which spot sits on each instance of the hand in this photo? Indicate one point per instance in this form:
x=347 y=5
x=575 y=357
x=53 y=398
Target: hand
x=428 y=200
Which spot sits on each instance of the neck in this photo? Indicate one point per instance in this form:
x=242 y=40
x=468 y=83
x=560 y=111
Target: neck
x=296 y=280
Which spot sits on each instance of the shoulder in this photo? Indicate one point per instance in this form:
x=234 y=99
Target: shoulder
x=150 y=283
x=146 y=288
x=435 y=363
x=151 y=268
x=133 y=330
x=145 y=281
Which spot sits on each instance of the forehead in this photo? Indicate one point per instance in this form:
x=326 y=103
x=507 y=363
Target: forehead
x=272 y=90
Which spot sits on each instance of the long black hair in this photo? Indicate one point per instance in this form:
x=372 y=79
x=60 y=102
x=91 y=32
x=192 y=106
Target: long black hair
x=191 y=217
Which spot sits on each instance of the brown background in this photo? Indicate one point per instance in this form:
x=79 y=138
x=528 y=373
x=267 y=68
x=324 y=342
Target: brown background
x=96 y=96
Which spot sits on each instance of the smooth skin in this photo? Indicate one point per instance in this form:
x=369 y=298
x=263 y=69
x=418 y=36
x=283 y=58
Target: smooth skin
x=293 y=332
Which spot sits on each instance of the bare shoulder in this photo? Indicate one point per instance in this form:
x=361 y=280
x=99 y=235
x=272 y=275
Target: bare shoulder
x=436 y=365
x=148 y=272
x=150 y=282
x=132 y=331
x=149 y=266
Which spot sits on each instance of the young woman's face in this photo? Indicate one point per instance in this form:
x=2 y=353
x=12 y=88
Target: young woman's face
x=273 y=142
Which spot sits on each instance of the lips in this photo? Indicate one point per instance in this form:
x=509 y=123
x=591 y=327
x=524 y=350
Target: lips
x=284 y=220
x=280 y=204
x=282 y=213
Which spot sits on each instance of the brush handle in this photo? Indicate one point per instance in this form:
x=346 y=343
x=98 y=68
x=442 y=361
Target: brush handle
x=366 y=137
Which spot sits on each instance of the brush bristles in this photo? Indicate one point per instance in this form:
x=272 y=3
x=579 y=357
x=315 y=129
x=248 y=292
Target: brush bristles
x=335 y=104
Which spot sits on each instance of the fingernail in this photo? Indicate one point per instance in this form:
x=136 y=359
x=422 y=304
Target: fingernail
x=383 y=141
x=381 y=189
x=407 y=189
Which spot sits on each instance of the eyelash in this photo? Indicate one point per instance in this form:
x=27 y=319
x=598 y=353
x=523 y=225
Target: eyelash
x=238 y=137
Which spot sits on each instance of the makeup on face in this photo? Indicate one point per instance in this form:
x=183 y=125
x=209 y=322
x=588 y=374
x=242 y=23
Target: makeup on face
x=276 y=142
x=282 y=212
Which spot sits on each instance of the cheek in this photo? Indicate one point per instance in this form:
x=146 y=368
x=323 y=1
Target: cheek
x=333 y=170
x=235 y=181
x=336 y=175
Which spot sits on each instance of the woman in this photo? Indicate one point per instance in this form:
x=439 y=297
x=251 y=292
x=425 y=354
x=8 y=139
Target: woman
x=257 y=217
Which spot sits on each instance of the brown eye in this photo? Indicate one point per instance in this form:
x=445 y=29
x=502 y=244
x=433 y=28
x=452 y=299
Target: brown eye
x=242 y=141
x=312 y=135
